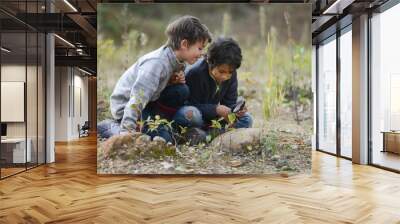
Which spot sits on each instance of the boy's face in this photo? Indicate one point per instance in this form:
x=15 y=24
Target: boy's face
x=191 y=53
x=222 y=72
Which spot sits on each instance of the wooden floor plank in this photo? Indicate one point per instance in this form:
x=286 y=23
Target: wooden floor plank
x=70 y=191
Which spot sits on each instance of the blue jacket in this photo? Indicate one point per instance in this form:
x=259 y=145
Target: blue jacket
x=204 y=93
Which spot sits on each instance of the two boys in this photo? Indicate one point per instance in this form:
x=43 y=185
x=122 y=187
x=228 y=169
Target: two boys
x=155 y=84
x=144 y=81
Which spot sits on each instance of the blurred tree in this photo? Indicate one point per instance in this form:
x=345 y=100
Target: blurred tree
x=226 y=24
x=262 y=22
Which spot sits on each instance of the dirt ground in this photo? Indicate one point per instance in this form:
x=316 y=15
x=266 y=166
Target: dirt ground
x=284 y=147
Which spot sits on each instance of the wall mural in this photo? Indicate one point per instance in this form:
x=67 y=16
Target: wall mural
x=204 y=89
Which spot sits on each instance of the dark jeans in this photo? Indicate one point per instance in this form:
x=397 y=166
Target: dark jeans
x=174 y=97
x=186 y=116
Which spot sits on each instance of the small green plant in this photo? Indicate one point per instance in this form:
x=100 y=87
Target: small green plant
x=183 y=130
x=154 y=124
x=208 y=138
x=217 y=123
x=138 y=109
x=181 y=133
x=231 y=120
x=219 y=127
x=270 y=143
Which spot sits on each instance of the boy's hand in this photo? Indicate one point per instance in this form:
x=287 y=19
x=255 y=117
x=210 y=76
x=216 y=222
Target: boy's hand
x=241 y=113
x=177 y=78
x=223 y=111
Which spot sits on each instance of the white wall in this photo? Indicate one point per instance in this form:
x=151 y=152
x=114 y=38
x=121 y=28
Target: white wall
x=61 y=103
x=33 y=126
x=14 y=73
x=70 y=84
x=81 y=82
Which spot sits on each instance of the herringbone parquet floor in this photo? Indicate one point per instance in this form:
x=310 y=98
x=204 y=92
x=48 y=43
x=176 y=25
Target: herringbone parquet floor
x=70 y=191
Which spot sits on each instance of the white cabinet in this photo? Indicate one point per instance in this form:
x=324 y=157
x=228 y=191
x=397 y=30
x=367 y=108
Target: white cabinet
x=16 y=147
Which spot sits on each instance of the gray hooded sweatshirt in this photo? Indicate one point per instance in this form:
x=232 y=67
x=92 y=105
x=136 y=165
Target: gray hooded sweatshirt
x=142 y=83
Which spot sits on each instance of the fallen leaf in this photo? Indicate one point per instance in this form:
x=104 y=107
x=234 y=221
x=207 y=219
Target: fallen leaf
x=236 y=163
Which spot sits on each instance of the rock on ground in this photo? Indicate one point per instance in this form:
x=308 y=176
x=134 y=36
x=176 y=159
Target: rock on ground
x=238 y=140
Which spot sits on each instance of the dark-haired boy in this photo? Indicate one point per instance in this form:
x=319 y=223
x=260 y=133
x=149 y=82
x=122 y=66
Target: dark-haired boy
x=144 y=81
x=213 y=85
